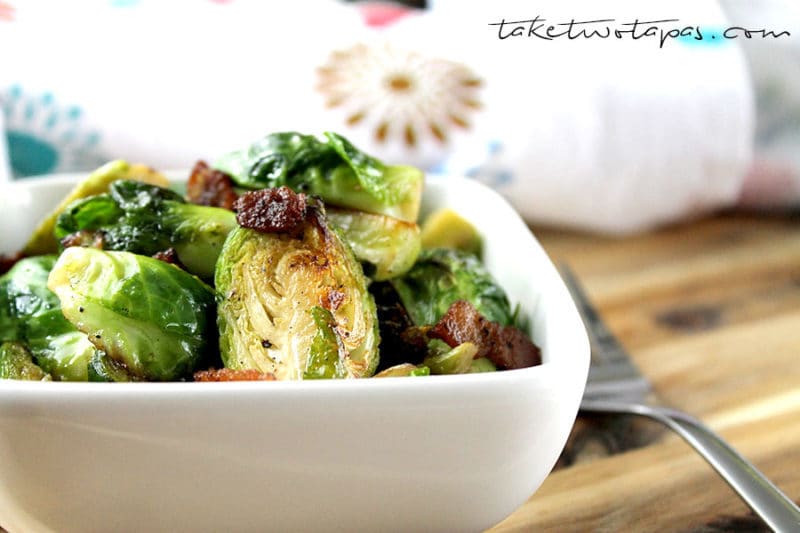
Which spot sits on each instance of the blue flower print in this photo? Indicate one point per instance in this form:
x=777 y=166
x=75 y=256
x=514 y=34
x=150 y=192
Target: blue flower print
x=44 y=136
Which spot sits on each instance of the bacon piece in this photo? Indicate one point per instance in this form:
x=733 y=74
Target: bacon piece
x=209 y=186
x=506 y=346
x=279 y=210
x=85 y=238
x=8 y=261
x=228 y=374
x=169 y=256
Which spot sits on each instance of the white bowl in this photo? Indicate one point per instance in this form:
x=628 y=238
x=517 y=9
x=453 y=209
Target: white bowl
x=441 y=453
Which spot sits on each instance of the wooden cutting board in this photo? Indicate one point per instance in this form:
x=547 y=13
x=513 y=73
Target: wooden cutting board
x=710 y=312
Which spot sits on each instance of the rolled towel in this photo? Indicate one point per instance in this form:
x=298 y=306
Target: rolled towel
x=613 y=135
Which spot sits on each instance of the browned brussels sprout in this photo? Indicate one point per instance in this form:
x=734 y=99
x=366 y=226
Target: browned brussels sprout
x=389 y=246
x=292 y=299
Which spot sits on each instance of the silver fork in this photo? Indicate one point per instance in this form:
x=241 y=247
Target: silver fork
x=615 y=385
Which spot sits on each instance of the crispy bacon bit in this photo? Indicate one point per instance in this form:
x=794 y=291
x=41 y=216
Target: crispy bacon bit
x=228 y=374
x=278 y=210
x=8 y=261
x=85 y=238
x=506 y=346
x=169 y=256
x=209 y=186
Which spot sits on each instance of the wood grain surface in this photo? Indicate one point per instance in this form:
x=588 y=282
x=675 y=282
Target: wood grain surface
x=710 y=312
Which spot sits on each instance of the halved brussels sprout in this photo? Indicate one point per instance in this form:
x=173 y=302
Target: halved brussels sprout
x=150 y=317
x=332 y=169
x=388 y=244
x=441 y=277
x=146 y=219
x=16 y=362
x=31 y=314
x=42 y=240
x=295 y=304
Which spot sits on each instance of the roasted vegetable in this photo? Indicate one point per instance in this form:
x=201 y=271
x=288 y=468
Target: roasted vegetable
x=332 y=169
x=43 y=242
x=443 y=276
x=16 y=362
x=147 y=219
x=482 y=364
x=447 y=229
x=292 y=299
x=151 y=318
x=404 y=370
x=30 y=314
x=103 y=368
x=446 y=360
x=389 y=246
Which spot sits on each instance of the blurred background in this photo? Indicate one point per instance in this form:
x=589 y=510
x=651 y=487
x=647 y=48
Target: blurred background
x=610 y=135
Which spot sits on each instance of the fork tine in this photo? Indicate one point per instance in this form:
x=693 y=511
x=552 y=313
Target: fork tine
x=612 y=373
x=605 y=346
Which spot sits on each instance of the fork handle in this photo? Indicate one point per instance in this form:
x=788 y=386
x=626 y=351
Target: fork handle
x=763 y=497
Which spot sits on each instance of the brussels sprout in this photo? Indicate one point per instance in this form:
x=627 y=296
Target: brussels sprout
x=31 y=313
x=16 y=362
x=332 y=169
x=10 y=324
x=148 y=316
x=389 y=245
x=447 y=229
x=442 y=276
x=295 y=304
x=446 y=360
x=64 y=355
x=404 y=370
x=482 y=364
x=146 y=219
x=105 y=369
x=43 y=242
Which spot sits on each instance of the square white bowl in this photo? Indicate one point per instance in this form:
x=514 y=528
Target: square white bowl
x=440 y=453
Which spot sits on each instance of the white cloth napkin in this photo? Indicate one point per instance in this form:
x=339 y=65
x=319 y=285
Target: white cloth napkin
x=613 y=135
